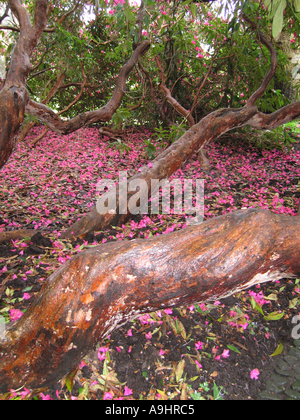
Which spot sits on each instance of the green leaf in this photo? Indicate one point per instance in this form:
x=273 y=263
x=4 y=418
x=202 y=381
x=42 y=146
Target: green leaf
x=217 y=393
x=278 y=19
x=293 y=303
x=69 y=379
x=256 y=306
x=194 y=10
x=274 y=316
x=278 y=351
x=233 y=349
x=267 y=3
x=179 y=370
x=129 y=15
x=297 y=5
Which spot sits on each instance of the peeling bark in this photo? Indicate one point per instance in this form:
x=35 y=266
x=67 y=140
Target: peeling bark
x=102 y=288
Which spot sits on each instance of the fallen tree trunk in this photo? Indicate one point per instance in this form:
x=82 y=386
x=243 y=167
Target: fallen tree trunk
x=102 y=288
x=17 y=234
x=199 y=135
x=169 y=161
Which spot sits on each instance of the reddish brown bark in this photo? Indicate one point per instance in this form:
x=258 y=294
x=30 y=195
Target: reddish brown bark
x=14 y=96
x=41 y=136
x=17 y=234
x=104 y=287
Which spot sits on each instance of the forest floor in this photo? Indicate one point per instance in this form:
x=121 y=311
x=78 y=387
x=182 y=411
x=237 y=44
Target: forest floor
x=218 y=350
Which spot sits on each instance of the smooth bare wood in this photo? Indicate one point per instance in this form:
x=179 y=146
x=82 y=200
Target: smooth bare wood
x=102 y=288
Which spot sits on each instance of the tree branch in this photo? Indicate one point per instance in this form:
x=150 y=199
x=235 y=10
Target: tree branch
x=205 y=80
x=38 y=138
x=284 y=115
x=152 y=94
x=63 y=18
x=169 y=161
x=46 y=30
x=52 y=120
x=41 y=60
x=264 y=41
x=21 y=14
x=5 y=14
x=176 y=105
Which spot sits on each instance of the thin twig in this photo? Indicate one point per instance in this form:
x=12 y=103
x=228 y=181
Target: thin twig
x=264 y=41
